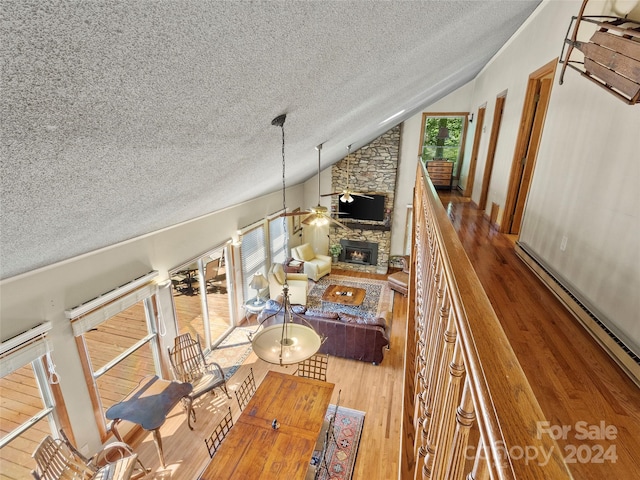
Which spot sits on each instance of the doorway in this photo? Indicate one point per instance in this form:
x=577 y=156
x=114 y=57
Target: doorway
x=531 y=125
x=491 y=153
x=474 y=151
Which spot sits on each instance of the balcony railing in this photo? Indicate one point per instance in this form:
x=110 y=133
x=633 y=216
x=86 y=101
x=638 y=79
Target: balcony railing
x=469 y=410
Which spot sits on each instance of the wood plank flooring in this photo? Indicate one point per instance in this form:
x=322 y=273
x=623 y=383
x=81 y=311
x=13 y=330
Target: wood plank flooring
x=577 y=384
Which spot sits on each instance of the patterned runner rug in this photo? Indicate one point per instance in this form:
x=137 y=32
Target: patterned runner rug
x=378 y=299
x=233 y=350
x=341 y=458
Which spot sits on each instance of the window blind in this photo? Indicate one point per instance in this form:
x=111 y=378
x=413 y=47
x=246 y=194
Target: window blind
x=253 y=254
x=24 y=349
x=278 y=239
x=91 y=320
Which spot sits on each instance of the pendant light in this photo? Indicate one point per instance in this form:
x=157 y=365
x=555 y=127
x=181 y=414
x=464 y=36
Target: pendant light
x=293 y=340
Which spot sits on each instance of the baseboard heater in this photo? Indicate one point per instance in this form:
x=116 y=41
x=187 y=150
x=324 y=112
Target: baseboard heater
x=626 y=358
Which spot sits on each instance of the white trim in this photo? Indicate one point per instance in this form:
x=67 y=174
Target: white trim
x=24 y=337
x=107 y=297
x=103 y=313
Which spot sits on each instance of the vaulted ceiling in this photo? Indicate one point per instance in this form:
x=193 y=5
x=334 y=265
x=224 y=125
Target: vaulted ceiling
x=123 y=117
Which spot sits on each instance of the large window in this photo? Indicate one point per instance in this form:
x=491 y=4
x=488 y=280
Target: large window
x=202 y=299
x=278 y=239
x=28 y=411
x=118 y=343
x=253 y=251
x=443 y=138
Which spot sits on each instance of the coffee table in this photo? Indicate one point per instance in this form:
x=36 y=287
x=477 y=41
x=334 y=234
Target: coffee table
x=351 y=296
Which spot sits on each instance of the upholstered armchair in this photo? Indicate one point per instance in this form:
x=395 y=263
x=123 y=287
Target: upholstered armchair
x=399 y=281
x=297 y=282
x=316 y=266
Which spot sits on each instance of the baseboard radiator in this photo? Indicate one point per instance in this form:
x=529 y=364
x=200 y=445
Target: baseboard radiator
x=626 y=358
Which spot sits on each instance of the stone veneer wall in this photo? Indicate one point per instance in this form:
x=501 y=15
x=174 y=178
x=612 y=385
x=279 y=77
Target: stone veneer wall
x=373 y=169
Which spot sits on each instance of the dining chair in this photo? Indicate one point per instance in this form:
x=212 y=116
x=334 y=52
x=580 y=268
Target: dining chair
x=246 y=390
x=190 y=365
x=217 y=436
x=111 y=454
x=314 y=367
x=214 y=280
x=55 y=461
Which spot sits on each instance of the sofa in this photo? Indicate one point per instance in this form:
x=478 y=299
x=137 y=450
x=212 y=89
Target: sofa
x=297 y=282
x=316 y=266
x=347 y=336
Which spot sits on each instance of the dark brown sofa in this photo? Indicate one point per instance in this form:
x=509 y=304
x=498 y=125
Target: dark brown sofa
x=348 y=336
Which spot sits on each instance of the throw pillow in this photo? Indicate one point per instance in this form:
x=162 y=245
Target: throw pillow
x=306 y=252
x=321 y=314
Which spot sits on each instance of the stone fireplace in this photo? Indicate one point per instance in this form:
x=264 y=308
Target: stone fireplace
x=361 y=253
x=373 y=169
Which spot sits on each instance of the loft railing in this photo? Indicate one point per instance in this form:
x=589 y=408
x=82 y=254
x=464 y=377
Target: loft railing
x=469 y=411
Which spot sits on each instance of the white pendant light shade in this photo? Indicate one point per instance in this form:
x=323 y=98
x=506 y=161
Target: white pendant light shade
x=346 y=198
x=286 y=344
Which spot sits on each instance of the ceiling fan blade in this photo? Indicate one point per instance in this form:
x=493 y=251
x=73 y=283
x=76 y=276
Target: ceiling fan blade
x=295 y=214
x=333 y=220
x=361 y=195
x=329 y=194
x=309 y=219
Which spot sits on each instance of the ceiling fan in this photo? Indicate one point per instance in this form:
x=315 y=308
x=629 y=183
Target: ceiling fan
x=318 y=215
x=347 y=193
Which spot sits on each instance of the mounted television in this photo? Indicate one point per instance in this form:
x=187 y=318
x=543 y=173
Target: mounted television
x=363 y=208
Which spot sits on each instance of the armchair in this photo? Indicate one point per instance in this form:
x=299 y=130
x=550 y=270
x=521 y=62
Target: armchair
x=399 y=281
x=297 y=282
x=316 y=266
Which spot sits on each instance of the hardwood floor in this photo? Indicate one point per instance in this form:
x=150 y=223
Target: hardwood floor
x=573 y=378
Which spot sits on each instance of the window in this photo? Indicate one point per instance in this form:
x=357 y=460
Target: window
x=28 y=409
x=118 y=343
x=253 y=253
x=443 y=137
x=278 y=239
x=201 y=299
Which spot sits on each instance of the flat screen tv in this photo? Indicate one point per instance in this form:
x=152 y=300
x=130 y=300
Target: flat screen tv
x=363 y=208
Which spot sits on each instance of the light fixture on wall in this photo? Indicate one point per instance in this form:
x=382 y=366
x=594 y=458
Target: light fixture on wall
x=288 y=342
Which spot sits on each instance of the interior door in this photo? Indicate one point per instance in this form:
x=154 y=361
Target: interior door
x=544 y=89
x=531 y=126
x=468 y=190
x=491 y=153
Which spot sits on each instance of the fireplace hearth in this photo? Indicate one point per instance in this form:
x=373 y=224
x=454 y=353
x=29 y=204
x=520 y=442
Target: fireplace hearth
x=362 y=253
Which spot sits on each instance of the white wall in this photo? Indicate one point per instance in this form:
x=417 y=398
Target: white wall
x=585 y=184
x=43 y=295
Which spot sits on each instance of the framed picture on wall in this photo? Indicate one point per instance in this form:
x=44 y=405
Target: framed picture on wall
x=296 y=221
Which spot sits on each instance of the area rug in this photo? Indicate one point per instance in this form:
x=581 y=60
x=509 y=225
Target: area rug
x=378 y=299
x=341 y=458
x=232 y=351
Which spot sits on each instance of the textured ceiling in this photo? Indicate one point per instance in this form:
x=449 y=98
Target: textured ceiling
x=113 y=110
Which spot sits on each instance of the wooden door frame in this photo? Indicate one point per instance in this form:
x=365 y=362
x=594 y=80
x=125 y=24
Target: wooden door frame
x=491 y=152
x=468 y=189
x=462 y=141
x=522 y=142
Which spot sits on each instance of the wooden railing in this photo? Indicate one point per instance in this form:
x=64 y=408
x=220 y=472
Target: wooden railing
x=469 y=411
